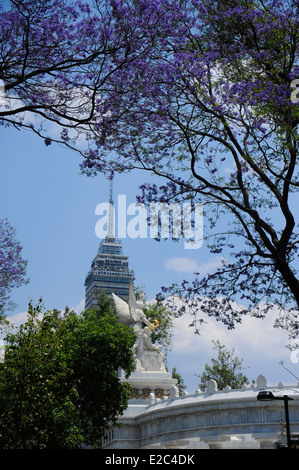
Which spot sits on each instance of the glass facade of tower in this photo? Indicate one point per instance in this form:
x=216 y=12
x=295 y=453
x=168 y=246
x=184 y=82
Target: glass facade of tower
x=109 y=272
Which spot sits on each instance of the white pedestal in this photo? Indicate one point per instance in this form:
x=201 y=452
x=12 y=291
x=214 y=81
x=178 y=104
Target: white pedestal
x=145 y=382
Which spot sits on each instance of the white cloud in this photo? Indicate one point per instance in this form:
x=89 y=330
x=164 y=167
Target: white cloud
x=210 y=266
x=80 y=307
x=181 y=265
x=18 y=318
x=255 y=336
x=190 y=265
x=255 y=341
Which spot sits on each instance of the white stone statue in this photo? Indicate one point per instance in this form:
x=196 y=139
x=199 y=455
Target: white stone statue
x=131 y=313
x=148 y=356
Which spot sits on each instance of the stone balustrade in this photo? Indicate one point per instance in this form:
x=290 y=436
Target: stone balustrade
x=215 y=418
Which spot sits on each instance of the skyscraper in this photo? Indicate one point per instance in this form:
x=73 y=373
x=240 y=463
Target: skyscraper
x=109 y=269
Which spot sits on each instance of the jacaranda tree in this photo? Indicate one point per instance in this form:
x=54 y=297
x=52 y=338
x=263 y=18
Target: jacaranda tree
x=199 y=92
x=56 y=63
x=210 y=107
x=12 y=265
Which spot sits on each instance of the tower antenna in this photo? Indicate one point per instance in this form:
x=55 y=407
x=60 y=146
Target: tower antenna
x=111 y=232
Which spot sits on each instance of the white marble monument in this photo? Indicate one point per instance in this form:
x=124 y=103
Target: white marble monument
x=150 y=375
x=159 y=418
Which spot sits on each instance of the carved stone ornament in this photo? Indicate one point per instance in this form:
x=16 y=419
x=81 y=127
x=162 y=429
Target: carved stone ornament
x=143 y=393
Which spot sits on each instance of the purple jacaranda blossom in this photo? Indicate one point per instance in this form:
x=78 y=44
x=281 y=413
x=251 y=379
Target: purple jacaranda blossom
x=12 y=265
x=207 y=106
x=197 y=92
x=56 y=63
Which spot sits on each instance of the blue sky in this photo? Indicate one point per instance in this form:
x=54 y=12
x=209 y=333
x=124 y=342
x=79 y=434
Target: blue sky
x=53 y=207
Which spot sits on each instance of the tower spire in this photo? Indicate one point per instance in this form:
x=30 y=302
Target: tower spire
x=111 y=228
x=109 y=270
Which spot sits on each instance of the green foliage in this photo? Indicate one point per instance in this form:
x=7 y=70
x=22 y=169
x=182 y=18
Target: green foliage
x=104 y=305
x=157 y=311
x=180 y=380
x=163 y=333
x=59 y=386
x=225 y=370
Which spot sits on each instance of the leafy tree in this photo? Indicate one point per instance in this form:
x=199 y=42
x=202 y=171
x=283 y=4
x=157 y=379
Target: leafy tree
x=12 y=265
x=157 y=312
x=180 y=380
x=225 y=370
x=104 y=305
x=209 y=108
x=163 y=315
x=59 y=386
